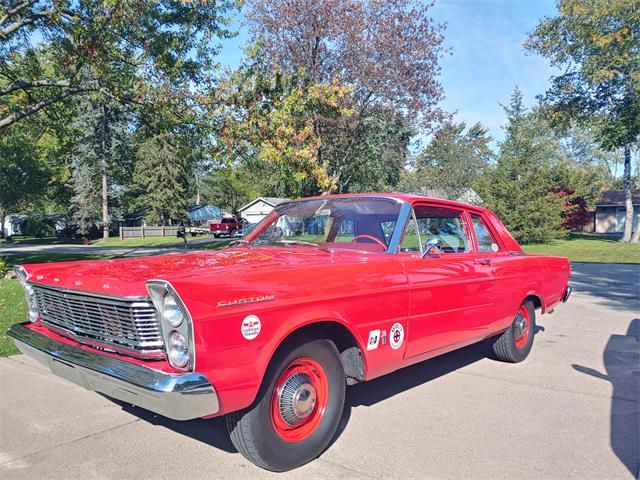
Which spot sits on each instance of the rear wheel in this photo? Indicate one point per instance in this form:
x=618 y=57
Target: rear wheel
x=515 y=343
x=297 y=410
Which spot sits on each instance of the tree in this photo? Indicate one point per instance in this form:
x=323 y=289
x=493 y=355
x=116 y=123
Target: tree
x=148 y=53
x=455 y=158
x=102 y=145
x=161 y=177
x=228 y=188
x=597 y=44
x=267 y=124
x=387 y=53
x=520 y=188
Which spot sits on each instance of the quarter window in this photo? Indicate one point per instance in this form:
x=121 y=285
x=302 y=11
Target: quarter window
x=486 y=241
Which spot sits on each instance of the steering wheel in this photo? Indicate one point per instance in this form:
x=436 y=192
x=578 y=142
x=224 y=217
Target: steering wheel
x=369 y=237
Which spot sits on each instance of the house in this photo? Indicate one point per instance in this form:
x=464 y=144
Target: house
x=204 y=214
x=259 y=208
x=12 y=225
x=611 y=210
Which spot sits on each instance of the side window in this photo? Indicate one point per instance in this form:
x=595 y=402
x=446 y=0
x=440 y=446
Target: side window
x=486 y=242
x=445 y=224
x=346 y=231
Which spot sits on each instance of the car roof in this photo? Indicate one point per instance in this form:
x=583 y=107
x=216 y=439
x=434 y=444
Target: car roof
x=404 y=197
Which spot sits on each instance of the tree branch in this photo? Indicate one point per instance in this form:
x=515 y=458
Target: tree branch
x=22 y=85
x=14 y=117
x=15 y=10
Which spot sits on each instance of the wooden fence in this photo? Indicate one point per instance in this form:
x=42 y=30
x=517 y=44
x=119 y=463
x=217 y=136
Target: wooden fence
x=143 y=232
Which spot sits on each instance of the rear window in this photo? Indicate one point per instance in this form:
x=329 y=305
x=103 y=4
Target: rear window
x=228 y=220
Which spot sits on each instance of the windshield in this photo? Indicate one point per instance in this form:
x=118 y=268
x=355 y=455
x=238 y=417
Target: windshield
x=358 y=223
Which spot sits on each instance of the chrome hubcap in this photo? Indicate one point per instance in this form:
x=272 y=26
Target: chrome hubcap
x=296 y=399
x=520 y=326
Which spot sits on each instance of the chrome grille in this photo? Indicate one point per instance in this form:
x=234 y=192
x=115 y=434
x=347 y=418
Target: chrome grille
x=109 y=323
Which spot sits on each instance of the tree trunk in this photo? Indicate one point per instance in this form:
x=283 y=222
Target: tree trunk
x=628 y=201
x=105 y=197
x=197 y=189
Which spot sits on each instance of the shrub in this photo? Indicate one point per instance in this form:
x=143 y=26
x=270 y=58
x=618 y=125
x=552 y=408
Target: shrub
x=38 y=226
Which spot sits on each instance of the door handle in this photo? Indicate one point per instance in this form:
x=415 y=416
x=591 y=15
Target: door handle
x=483 y=261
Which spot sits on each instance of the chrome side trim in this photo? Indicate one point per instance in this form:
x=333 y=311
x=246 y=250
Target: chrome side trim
x=177 y=396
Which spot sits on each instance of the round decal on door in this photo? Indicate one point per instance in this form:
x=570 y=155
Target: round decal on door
x=396 y=336
x=250 y=327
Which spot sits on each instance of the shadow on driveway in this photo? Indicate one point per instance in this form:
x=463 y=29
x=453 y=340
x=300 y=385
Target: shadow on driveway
x=622 y=369
x=614 y=285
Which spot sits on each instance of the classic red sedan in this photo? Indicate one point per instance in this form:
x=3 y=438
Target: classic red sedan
x=324 y=293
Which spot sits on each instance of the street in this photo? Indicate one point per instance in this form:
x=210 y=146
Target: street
x=572 y=409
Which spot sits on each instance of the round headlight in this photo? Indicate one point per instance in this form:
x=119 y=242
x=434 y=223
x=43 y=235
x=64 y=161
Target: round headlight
x=178 y=350
x=171 y=311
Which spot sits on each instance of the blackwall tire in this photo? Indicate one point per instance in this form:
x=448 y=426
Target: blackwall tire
x=278 y=434
x=515 y=343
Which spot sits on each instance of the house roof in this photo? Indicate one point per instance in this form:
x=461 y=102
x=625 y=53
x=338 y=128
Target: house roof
x=616 y=198
x=273 y=201
x=204 y=212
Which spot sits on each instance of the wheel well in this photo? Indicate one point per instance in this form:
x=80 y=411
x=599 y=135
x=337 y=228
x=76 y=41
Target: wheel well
x=350 y=353
x=537 y=302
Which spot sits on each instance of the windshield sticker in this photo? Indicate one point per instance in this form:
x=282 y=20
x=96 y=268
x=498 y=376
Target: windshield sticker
x=250 y=327
x=396 y=336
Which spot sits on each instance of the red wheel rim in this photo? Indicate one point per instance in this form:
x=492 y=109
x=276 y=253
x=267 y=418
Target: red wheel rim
x=522 y=327
x=299 y=399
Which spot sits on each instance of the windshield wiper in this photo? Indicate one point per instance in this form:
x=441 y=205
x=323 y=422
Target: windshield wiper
x=240 y=242
x=301 y=242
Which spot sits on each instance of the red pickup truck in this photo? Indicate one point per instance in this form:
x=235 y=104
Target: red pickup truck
x=326 y=292
x=227 y=227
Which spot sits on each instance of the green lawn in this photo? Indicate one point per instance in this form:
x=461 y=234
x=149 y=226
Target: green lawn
x=12 y=260
x=13 y=309
x=137 y=242
x=583 y=247
x=40 y=241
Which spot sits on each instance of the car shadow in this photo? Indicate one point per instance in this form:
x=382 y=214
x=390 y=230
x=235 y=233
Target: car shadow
x=214 y=431
x=622 y=369
x=613 y=285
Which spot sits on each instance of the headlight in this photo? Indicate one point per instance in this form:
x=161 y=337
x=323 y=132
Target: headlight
x=171 y=311
x=176 y=324
x=178 y=350
x=29 y=294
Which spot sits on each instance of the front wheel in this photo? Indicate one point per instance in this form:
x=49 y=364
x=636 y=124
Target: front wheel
x=297 y=410
x=516 y=341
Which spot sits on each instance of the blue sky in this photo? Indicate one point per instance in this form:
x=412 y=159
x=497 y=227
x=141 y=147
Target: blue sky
x=487 y=59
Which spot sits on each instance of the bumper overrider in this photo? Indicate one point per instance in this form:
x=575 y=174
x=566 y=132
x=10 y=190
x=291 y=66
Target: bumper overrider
x=178 y=396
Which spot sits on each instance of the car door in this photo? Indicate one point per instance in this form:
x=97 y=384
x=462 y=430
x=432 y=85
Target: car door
x=451 y=292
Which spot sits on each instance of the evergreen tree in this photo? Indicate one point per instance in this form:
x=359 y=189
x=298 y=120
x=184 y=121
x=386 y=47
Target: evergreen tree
x=454 y=159
x=521 y=187
x=161 y=175
x=101 y=149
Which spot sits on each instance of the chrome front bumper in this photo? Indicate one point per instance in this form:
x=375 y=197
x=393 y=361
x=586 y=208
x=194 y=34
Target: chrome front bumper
x=567 y=294
x=178 y=396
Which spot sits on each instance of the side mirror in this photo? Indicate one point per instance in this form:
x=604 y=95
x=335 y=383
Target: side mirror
x=430 y=245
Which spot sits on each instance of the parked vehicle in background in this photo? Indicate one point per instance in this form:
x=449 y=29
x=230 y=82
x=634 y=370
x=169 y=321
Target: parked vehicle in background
x=227 y=227
x=326 y=292
x=246 y=230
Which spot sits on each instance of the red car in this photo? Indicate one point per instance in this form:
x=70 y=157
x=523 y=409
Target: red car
x=227 y=227
x=324 y=293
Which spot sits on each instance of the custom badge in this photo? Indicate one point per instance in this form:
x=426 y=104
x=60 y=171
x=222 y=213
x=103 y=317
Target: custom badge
x=396 y=336
x=374 y=339
x=250 y=327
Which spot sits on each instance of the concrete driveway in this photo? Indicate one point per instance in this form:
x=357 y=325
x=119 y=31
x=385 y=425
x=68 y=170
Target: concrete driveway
x=572 y=409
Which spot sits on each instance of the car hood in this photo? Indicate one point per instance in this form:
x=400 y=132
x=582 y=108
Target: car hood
x=128 y=277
